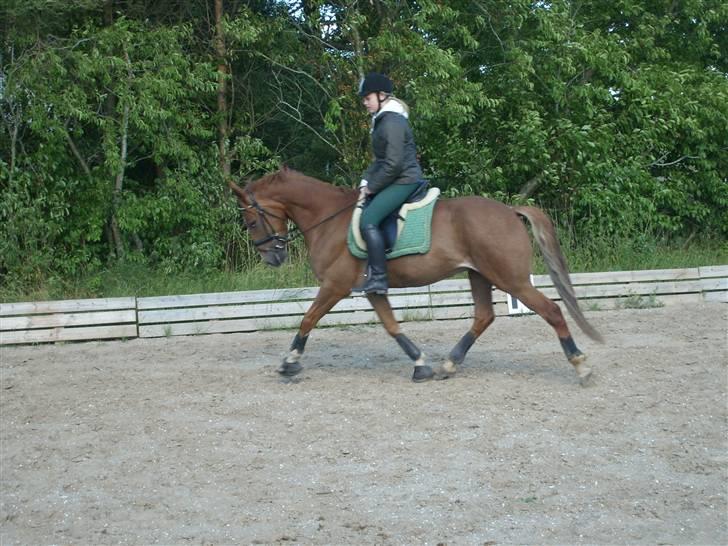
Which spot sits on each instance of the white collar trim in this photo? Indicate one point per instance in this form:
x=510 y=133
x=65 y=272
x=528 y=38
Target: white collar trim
x=392 y=105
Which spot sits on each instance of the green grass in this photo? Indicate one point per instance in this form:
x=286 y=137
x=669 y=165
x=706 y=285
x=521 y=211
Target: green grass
x=141 y=280
x=134 y=279
x=589 y=254
x=640 y=254
x=636 y=301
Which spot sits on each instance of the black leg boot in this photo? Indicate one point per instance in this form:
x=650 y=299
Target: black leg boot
x=377 y=270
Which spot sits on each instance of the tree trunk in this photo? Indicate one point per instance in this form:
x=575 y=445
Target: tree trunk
x=14 y=122
x=114 y=233
x=109 y=13
x=222 y=78
x=119 y=184
x=356 y=42
x=119 y=179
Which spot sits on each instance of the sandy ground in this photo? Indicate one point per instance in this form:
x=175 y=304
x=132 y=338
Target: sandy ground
x=196 y=440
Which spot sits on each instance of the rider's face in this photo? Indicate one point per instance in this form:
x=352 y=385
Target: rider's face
x=371 y=102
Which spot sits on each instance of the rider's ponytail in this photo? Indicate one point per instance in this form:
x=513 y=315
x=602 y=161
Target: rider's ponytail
x=401 y=102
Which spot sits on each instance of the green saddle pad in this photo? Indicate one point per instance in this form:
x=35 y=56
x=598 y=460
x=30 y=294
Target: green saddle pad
x=414 y=238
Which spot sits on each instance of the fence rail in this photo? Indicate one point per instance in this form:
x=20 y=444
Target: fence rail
x=79 y=320
x=67 y=320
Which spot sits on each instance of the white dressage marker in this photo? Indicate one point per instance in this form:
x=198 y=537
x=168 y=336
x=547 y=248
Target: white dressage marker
x=516 y=306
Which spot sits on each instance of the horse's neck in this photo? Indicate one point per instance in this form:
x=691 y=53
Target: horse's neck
x=322 y=212
x=309 y=200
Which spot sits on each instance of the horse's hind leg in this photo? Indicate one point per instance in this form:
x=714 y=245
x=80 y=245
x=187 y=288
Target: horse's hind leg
x=422 y=371
x=483 y=317
x=551 y=313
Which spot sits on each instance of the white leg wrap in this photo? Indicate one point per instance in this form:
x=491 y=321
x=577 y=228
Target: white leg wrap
x=449 y=367
x=294 y=357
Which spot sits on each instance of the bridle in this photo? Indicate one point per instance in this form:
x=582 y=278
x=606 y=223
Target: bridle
x=270 y=233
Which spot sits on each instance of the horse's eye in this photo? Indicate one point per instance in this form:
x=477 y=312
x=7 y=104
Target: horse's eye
x=252 y=224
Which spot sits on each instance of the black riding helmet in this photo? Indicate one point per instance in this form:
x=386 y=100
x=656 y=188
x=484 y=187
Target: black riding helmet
x=375 y=82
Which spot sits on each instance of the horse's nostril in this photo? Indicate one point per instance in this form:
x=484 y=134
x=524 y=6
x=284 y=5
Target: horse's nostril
x=275 y=258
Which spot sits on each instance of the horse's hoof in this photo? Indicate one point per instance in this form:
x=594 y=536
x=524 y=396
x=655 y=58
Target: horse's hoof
x=446 y=370
x=584 y=373
x=289 y=369
x=577 y=359
x=586 y=377
x=422 y=373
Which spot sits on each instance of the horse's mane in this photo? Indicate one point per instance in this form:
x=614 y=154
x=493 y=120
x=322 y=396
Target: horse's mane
x=285 y=175
x=266 y=180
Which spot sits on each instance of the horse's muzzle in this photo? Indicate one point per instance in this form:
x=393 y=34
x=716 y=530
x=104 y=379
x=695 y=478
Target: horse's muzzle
x=275 y=257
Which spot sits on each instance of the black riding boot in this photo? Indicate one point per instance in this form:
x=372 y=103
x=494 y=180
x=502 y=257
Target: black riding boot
x=377 y=270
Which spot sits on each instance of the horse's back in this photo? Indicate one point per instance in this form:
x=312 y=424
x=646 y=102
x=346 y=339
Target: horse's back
x=475 y=214
x=487 y=235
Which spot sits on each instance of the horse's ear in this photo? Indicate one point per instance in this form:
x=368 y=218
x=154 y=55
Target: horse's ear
x=237 y=190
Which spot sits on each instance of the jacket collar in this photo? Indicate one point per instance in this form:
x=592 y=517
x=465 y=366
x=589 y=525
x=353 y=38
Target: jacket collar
x=391 y=105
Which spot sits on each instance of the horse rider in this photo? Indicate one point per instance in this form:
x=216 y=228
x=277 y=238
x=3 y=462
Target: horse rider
x=392 y=177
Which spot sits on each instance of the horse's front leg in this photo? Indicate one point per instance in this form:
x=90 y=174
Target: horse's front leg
x=326 y=298
x=422 y=371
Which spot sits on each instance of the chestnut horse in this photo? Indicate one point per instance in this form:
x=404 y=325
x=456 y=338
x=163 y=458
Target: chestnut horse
x=483 y=237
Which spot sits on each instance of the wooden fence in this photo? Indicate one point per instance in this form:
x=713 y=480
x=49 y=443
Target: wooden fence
x=267 y=309
x=69 y=320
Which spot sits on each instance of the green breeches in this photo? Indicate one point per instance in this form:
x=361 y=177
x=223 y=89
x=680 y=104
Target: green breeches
x=385 y=203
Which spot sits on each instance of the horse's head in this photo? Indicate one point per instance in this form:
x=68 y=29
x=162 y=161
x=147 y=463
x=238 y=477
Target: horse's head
x=265 y=220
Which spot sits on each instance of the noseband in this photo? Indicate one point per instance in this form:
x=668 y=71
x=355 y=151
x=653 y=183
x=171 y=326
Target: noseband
x=271 y=234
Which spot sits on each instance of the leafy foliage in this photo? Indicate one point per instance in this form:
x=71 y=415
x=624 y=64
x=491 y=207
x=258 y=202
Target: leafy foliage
x=612 y=115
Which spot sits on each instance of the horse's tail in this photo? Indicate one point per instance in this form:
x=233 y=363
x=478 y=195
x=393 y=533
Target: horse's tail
x=545 y=235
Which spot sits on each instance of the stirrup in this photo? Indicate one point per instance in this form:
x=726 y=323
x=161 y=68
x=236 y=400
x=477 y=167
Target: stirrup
x=376 y=283
x=378 y=290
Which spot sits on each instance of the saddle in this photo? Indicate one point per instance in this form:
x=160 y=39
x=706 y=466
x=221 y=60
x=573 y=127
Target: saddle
x=418 y=208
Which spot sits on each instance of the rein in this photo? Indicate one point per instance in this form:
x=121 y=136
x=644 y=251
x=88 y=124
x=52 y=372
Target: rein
x=273 y=235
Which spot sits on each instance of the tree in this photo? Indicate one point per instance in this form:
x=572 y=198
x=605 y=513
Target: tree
x=122 y=120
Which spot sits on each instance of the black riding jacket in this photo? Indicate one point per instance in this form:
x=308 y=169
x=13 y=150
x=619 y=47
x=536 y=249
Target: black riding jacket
x=395 y=153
